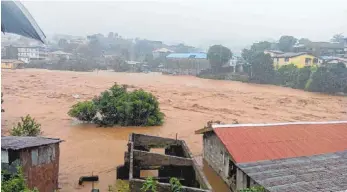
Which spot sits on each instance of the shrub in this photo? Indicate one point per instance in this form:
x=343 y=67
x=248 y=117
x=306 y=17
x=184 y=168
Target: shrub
x=326 y=80
x=254 y=189
x=15 y=182
x=27 y=127
x=83 y=111
x=150 y=185
x=303 y=75
x=117 y=106
x=286 y=75
x=175 y=185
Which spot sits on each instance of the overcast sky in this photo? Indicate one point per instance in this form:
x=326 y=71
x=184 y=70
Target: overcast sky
x=200 y=23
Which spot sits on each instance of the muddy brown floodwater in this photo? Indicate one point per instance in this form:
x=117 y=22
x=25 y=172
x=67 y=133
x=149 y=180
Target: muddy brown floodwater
x=188 y=103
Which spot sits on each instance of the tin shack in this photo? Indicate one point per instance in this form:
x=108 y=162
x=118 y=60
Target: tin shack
x=38 y=157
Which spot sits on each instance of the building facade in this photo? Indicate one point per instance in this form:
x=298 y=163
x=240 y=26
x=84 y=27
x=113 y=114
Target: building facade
x=298 y=59
x=186 y=63
x=38 y=157
x=27 y=54
x=230 y=149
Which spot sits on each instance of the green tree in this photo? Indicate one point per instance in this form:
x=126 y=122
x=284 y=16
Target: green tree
x=261 y=46
x=14 y=182
x=26 y=127
x=286 y=75
x=262 y=69
x=83 y=111
x=304 y=41
x=218 y=55
x=117 y=106
x=303 y=75
x=286 y=43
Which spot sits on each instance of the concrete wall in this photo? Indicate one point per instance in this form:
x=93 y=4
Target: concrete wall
x=41 y=167
x=213 y=154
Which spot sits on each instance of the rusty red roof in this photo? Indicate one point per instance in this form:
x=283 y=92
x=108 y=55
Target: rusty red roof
x=249 y=143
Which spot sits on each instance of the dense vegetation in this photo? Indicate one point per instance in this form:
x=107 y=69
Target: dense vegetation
x=117 y=106
x=150 y=185
x=26 y=127
x=14 y=182
x=218 y=55
x=254 y=189
x=332 y=79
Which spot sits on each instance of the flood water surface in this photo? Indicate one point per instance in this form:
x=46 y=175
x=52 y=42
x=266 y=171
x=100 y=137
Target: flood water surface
x=187 y=102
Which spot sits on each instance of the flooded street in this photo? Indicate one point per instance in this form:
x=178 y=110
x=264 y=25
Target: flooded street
x=188 y=103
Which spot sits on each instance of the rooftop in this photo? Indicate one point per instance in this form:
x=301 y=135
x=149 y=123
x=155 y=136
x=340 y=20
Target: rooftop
x=289 y=54
x=163 y=50
x=257 y=142
x=326 y=172
x=11 y=61
x=16 y=143
x=187 y=55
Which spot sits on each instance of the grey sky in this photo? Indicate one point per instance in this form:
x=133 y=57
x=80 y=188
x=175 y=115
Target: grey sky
x=234 y=23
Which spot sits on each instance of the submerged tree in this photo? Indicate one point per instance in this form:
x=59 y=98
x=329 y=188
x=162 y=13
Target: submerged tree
x=117 y=106
x=26 y=127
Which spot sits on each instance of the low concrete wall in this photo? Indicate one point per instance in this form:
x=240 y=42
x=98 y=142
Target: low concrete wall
x=146 y=159
x=153 y=141
x=136 y=184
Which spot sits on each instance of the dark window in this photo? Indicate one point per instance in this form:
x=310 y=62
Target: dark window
x=315 y=60
x=286 y=59
x=12 y=156
x=308 y=61
x=232 y=169
x=248 y=182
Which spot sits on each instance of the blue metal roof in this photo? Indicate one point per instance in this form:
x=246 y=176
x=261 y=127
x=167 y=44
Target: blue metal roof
x=187 y=55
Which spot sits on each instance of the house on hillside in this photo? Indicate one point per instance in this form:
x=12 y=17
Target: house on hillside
x=298 y=59
x=321 y=48
x=281 y=157
x=38 y=157
x=328 y=60
x=186 y=63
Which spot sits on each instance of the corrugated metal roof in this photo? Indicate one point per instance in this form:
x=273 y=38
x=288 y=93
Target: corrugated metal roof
x=187 y=55
x=289 y=54
x=16 y=143
x=276 y=141
x=327 y=172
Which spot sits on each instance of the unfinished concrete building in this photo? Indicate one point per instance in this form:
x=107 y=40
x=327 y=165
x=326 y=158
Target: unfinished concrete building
x=176 y=162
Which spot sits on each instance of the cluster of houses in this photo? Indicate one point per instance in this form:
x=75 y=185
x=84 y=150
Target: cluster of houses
x=279 y=157
x=311 y=53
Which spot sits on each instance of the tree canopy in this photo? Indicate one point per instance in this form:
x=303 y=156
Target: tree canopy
x=262 y=69
x=218 y=55
x=286 y=43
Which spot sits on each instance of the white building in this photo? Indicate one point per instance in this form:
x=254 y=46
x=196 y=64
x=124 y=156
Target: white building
x=27 y=54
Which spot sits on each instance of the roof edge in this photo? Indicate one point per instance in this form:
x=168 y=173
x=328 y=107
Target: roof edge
x=275 y=124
